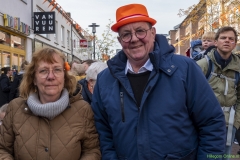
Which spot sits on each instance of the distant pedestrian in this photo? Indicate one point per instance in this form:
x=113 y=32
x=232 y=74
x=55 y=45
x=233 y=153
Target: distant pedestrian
x=14 y=92
x=5 y=85
x=89 y=82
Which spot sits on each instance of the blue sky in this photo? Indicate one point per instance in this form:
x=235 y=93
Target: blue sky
x=100 y=11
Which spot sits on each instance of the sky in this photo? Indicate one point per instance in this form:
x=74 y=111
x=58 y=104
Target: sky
x=100 y=11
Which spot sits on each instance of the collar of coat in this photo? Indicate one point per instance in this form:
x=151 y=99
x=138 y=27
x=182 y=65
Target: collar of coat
x=233 y=65
x=161 y=58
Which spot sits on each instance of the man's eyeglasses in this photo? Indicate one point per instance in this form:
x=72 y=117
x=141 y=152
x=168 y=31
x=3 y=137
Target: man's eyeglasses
x=43 y=73
x=140 y=34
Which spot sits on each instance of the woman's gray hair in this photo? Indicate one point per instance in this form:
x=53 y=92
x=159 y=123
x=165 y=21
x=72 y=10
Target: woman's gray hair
x=94 y=69
x=4 y=108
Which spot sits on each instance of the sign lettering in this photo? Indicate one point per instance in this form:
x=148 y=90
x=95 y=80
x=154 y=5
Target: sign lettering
x=44 y=22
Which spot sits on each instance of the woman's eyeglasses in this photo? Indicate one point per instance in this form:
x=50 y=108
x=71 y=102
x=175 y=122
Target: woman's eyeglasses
x=43 y=73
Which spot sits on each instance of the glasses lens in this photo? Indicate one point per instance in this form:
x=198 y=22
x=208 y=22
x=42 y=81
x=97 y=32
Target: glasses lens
x=58 y=72
x=126 y=37
x=141 y=33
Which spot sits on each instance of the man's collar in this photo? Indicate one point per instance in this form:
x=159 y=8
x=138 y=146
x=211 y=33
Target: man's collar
x=146 y=67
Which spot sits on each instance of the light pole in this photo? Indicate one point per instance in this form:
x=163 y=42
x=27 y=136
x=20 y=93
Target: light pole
x=93 y=31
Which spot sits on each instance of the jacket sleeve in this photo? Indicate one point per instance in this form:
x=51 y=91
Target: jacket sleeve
x=7 y=136
x=103 y=128
x=90 y=144
x=206 y=114
x=237 y=109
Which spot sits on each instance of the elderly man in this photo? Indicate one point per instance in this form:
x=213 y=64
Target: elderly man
x=151 y=103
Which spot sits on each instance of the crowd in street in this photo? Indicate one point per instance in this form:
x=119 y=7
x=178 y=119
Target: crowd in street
x=146 y=103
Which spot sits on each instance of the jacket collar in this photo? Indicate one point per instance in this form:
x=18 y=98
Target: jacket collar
x=161 y=58
x=233 y=65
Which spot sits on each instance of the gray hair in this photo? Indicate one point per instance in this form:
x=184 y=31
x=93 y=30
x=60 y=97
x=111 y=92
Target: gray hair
x=4 y=108
x=94 y=69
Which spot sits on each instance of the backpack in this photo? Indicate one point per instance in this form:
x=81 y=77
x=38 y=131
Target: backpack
x=196 y=49
x=210 y=72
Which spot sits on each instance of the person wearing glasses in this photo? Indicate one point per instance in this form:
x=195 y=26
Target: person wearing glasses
x=89 y=82
x=151 y=103
x=48 y=120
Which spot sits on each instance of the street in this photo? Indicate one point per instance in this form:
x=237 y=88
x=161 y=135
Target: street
x=235 y=149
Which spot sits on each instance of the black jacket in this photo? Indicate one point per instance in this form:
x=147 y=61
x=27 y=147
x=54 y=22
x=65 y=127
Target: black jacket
x=14 y=92
x=5 y=87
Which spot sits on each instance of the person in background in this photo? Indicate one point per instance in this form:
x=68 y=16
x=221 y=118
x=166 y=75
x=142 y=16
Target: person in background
x=208 y=40
x=87 y=63
x=3 y=110
x=5 y=85
x=151 y=103
x=88 y=83
x=207 y=43
x=225 y=80
x=79 y=70
x=14 y=92
x=48 y=120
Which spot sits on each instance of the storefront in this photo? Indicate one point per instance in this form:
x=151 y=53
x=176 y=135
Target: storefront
x=13 y=41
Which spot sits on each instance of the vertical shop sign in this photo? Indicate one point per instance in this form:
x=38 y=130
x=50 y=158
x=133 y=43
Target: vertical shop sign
x=44 y=22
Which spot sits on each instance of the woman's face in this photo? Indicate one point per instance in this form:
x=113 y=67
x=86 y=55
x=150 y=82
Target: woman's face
x=49 y=80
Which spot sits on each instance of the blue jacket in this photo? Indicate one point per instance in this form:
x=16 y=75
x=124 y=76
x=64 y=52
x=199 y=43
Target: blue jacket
x=179 y=116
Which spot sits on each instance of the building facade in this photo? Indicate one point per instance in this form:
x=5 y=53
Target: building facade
x=18 y=40
x=207 y=15
x=15 y=26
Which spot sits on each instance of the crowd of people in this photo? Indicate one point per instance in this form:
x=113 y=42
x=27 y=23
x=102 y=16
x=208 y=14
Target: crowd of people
x=145 y=103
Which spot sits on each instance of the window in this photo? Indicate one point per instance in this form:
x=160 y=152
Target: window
x=5 y=38
x=56 y=31
x=62 y=35
x=17 y=42
x=68 y=39
x=6 y=59
x=15 y=61
x=74 y=42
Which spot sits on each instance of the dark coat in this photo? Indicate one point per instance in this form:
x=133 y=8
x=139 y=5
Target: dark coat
x=179 y=116
x=5 y=86
x=14 y=92
x=87 y=95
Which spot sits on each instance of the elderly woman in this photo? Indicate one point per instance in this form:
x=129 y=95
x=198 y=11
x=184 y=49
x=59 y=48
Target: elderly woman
x=88 y=83
x=48 y=120
x=5 y=85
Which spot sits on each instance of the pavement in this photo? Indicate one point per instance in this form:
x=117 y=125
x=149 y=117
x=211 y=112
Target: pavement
x=235 y=149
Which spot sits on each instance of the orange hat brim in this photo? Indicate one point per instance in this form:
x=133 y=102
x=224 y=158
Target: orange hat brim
x=117 y=25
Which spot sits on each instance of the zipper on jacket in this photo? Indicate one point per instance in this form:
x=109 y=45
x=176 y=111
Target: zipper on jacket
x=122 y=107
